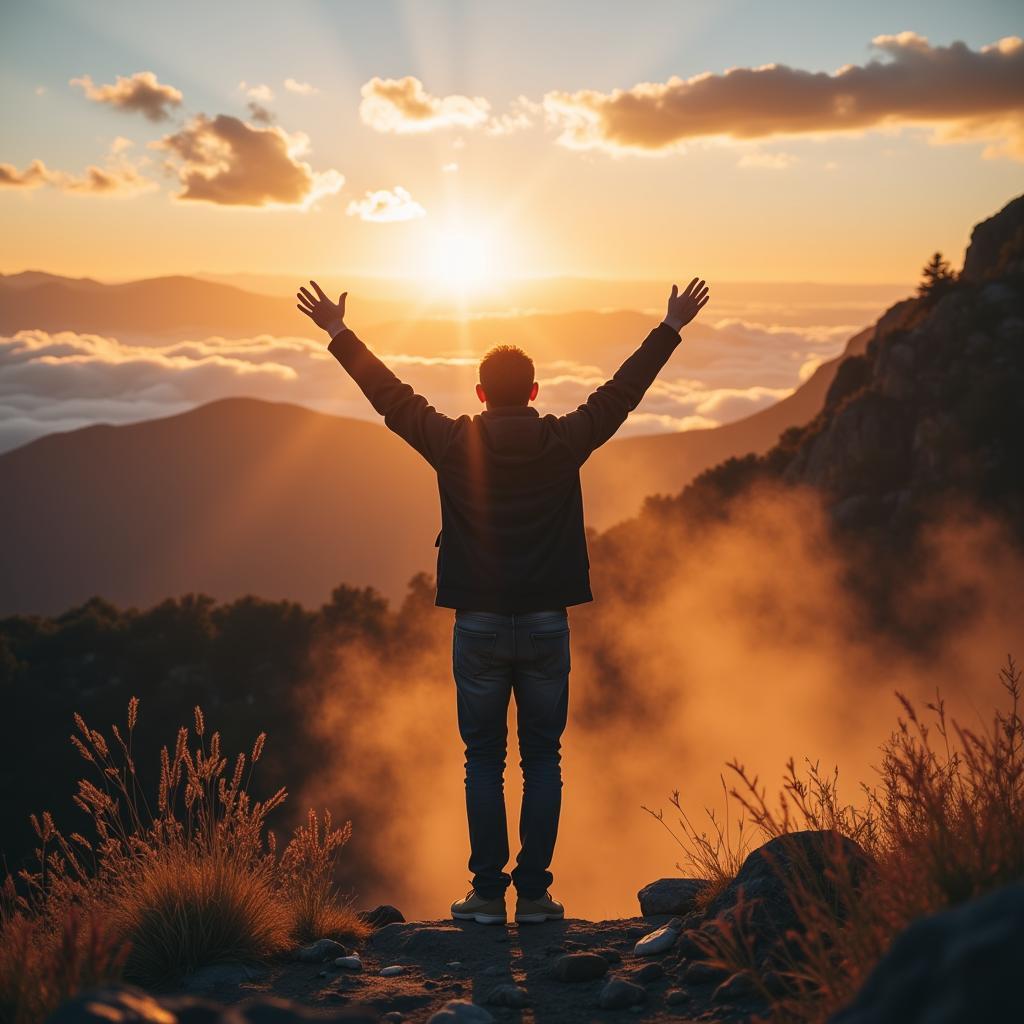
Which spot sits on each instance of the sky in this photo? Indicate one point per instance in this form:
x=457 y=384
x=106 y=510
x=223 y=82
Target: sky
x=458 y=143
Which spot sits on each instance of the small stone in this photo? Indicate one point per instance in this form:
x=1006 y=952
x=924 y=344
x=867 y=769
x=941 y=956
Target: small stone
x=319 y=951
x=618 y=993
x=461 y=1011
x=352 y=963
x=701 y=973
x=613 y=956
x=454 y=963
x=661 y=940
x=579 y=967
x=392 y=971
x=514 y=996
x=380 y=916
x=649 y=973
x=676 y=997
x=738 y=987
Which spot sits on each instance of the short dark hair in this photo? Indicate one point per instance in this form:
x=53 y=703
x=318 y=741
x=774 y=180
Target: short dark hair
x=506 y=374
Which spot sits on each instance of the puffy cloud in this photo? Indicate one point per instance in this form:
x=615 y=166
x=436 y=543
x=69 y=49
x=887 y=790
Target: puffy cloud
x=120 y=177
x=963 y=94
x=301 y=88
x=141 y=92
x=386 y=205
x=33 y=176
x=224 y=160
x=260 y=92
x=402 y=105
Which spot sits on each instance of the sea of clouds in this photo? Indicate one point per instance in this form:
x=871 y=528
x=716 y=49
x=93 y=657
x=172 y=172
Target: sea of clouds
x=59 y=381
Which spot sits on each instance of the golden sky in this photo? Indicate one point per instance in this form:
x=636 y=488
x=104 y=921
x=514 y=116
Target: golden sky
x=462 y=143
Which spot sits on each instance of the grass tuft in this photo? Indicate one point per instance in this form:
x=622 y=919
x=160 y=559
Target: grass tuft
x=163 y=888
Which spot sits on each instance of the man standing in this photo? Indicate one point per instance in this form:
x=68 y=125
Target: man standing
x=512 y=556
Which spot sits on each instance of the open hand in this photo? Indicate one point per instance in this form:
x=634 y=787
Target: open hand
x=686 y=306
x=319 y=308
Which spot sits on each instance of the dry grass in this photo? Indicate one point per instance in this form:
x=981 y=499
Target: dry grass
x=161 y=889
x=944 y=824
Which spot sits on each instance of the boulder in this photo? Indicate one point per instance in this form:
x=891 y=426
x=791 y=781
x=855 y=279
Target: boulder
x=670 y=896
x=958 y=967
x=990 y=238
x=768 y=873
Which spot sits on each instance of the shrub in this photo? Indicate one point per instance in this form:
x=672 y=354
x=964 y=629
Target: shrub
x=944 y=824
x=193 y=878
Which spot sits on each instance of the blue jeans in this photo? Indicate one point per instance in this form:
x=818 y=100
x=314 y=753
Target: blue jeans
x=492 y=656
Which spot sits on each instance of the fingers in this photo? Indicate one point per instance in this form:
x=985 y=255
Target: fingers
x=303 y=293
x=675 y=292
x=320 y=291
x=306 y=311
x=689 y=287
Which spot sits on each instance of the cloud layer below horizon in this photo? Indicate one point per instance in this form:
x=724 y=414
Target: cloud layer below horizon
x=64 y=380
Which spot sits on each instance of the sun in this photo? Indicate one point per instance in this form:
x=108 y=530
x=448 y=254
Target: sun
x=460 y=259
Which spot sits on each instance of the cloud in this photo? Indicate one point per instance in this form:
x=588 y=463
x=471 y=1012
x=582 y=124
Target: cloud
x=300 y=88
x=386 y=205
x=142 y=92
x=402 y=105
x=33 y=176
x=260 y=114
x=223 y=160
x=120 y=177
x=450 y=168
x=962 y=94
x=521 y=114
x=257 y=92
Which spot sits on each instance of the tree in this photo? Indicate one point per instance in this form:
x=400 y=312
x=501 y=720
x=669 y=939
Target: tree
x=936 y=277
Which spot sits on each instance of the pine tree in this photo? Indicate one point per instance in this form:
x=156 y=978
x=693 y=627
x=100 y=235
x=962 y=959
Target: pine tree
x=937 y=277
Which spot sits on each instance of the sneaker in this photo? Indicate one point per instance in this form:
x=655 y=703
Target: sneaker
x=544 y=908
x=476 y=908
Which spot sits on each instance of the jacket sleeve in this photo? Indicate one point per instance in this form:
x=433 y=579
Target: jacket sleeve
x=594 y=422
x=406 y=413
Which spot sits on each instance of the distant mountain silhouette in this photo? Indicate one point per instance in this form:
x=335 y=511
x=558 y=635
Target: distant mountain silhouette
x=36 y=300
x=237 y=496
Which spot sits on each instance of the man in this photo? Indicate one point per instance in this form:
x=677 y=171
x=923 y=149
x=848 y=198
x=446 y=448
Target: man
x=512 y=556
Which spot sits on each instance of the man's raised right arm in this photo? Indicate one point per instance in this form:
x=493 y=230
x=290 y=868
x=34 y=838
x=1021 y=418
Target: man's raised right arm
x=597 y=420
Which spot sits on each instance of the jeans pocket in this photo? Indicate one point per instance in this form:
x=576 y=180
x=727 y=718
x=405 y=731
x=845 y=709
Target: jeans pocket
x=551 y=651
x=472 y=651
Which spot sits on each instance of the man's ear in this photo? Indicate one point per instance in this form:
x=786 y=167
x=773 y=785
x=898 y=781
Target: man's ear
x=534 y=390
x=480 y=393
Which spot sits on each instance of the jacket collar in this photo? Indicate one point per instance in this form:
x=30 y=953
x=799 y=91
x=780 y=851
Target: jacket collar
x=510 y=410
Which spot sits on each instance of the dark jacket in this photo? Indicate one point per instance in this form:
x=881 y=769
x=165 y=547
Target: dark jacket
x=512 y=536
